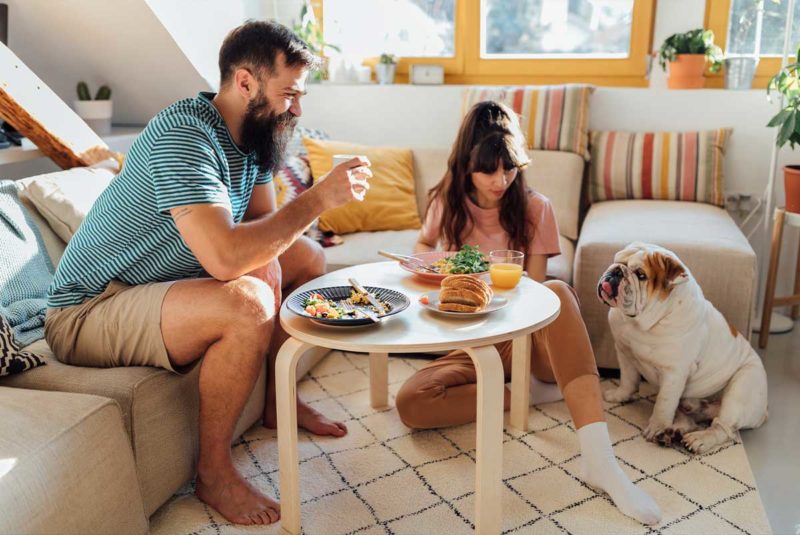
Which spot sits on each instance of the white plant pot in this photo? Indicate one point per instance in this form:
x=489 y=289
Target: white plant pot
x=385 y=73
x=96 y=113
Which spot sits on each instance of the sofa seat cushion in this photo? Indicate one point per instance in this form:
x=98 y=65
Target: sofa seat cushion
x=560 y=267
x=66 y=465
x=705 y=238
x=362 y=247
x=159 y=412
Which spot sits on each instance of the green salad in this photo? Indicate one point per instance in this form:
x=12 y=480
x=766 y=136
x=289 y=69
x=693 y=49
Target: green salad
x=468 y=260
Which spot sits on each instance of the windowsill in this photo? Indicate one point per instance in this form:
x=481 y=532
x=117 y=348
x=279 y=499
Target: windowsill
x=28 y=151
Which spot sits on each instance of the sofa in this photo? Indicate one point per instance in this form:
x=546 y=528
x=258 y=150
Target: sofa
x=705 y=237
x=95 y=450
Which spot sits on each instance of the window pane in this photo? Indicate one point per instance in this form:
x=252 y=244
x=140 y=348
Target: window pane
x=556 y=28
x=406 y=28
x=743 y=27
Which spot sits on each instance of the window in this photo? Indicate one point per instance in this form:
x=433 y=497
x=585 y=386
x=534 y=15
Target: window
x=604 y=42
x=748 y=24
x=530 y=29
x=406 y=28
x=743 y=28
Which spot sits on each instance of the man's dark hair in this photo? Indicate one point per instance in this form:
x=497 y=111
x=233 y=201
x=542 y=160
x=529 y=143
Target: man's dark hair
x=256 y=44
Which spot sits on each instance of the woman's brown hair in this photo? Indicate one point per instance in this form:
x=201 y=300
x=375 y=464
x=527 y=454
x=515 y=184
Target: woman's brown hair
x=490 y=134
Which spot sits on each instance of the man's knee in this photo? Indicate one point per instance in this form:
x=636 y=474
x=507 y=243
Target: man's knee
x=248 y=302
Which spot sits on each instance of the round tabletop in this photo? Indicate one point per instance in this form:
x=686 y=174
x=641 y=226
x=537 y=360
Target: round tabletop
x=531 y=306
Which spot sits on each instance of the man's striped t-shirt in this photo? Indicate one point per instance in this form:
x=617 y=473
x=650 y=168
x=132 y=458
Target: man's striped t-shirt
x=184 y=156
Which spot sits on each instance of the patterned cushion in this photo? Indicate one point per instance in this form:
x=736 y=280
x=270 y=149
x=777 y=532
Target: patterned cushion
x=680 y=166
x=552 y=117
x=12 y=358
x=295 y=177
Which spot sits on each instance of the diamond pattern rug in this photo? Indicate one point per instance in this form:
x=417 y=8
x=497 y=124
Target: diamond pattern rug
x=384 y=478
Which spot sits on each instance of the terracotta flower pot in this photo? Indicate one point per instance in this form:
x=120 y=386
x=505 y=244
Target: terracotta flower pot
x=686 y=72
x=791 y=183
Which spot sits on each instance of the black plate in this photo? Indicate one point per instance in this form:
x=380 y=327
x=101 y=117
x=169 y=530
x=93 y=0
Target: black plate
x=396 y=300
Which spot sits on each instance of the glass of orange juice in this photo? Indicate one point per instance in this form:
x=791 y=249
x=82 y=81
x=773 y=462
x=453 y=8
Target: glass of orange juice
x=505 y=268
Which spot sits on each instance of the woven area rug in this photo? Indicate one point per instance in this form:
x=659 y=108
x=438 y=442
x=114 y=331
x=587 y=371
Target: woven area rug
x=384 y=478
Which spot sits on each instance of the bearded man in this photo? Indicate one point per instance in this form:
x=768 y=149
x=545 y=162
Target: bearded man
x=183 y=259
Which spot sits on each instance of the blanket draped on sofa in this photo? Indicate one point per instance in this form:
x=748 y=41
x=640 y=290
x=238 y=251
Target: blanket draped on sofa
x=25 y=269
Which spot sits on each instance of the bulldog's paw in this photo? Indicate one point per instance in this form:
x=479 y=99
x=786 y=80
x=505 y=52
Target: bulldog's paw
x=655 y=427
x=617 y=395
x=669 y=436
x=705 y=440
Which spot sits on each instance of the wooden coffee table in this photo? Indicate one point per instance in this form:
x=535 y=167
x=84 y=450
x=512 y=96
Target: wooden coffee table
x=417 y=330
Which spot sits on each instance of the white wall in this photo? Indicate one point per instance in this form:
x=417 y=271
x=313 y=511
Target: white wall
x=200 y=26
x=119 y=43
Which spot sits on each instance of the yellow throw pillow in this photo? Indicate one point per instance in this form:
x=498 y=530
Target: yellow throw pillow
x=390 y=203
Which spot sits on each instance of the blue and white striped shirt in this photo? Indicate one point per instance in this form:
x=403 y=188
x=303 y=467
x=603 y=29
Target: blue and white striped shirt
x=184 y=156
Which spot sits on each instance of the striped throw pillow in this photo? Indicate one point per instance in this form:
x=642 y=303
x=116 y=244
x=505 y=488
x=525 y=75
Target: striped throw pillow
x=678 y=166
x=552 y=117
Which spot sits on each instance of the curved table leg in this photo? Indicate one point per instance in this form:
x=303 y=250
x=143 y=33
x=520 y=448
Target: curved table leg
x=489 y=440
x=379 y=380
x=520 y=382
x=286 y=400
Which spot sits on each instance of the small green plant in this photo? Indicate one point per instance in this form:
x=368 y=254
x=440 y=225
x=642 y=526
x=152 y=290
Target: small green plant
x=388 y=59
x=787 y=83
x=697 y=41
x=309 y=31
x=103 y=93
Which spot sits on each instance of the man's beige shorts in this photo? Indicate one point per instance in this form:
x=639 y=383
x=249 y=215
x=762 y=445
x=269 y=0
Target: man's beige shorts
x=120 y=327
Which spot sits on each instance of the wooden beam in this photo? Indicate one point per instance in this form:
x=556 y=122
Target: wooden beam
x=40 y=115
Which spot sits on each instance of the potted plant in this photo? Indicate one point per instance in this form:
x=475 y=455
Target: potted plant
x=309 y=31
x=96 y=113
x=744 y=46
x=385 y=69
x=687 y=54
x=787 y=83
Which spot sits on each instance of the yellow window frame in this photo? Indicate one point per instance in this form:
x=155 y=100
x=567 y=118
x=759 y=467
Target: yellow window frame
x=467 y=67
x=716 y=18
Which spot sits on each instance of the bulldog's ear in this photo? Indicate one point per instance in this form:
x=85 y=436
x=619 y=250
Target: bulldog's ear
x=673 y=270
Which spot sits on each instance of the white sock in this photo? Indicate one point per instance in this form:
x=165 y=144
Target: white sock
x=541 y=392
x=600 y=469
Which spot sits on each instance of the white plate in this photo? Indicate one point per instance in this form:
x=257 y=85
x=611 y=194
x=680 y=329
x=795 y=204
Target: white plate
x=497 y=302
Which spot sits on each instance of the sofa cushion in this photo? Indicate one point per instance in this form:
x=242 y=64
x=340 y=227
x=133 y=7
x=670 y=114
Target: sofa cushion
x=362 y=247
x=65 y=197
x=390 y=203
x=552 y=117
x=559 y=176
x=678 y=166
x=66 y=466
x=159 y=412
x=719 y=257
x=560 y=267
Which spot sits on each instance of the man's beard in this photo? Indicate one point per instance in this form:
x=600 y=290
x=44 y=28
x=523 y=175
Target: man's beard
x=266 y=133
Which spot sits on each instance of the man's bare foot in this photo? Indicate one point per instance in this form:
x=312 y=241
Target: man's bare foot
x=310 y=420
x=315 y=422
x=236 y=499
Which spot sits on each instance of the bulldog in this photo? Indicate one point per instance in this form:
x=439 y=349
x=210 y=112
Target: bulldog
x=666 y=331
